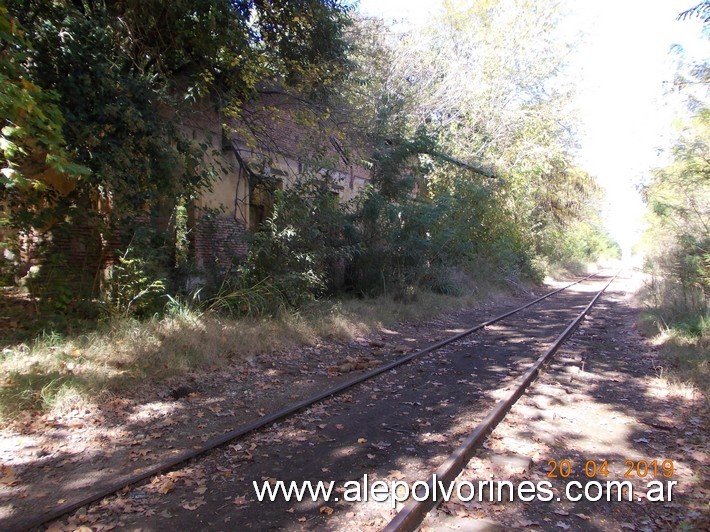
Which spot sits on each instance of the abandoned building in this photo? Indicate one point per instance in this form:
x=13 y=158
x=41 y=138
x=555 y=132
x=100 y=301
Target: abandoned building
x=264 y=151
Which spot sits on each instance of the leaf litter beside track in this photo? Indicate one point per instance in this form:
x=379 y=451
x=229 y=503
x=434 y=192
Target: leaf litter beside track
x=275 y=380
x=58 y=458
x=298 y=435
x=612 y=406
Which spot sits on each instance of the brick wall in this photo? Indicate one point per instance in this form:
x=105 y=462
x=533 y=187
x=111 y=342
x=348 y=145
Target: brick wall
x=72 y=256
x=218 y=240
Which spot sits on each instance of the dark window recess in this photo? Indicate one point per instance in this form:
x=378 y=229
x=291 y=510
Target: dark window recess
x=261 y=203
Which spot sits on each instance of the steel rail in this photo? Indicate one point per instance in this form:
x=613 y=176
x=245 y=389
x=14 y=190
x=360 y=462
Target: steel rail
x=410 y=517
x=247 y=428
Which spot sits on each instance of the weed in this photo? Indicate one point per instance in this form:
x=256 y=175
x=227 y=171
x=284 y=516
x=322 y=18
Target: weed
x=239 y=297
x=684 y=347
x=184 y=308
x=32 y=391
x=61 y=369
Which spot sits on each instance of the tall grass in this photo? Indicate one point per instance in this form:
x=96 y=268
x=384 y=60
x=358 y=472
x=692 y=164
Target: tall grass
x=678 y=320
x=59 y=372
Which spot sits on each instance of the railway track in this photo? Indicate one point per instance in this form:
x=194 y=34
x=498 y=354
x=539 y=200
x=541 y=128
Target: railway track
x=411 y=516
x=440 y=349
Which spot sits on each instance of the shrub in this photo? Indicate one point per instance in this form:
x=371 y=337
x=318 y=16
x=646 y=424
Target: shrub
x=296 y=254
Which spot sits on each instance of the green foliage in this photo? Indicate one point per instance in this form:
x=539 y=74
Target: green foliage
x=696 y=326
x=579 y=243
x=701 y=10
x=116 y=82
x=395 y=243
x=31 y=138
x=52 y=284
x=32 y=391
x=118 y=129
x=139 y=278
x=422 y=242
x=117 y=68
x=182 y=236
x=678 y=238
x=100 y=90
x=482 y=227
x=237 y=298
x=113 y=124
x=479 y=86
x=296 y=255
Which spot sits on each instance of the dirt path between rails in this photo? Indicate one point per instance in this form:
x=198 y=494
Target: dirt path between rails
x=401 y=426
x=49 y=461
x=397 y=425
x=600 y=406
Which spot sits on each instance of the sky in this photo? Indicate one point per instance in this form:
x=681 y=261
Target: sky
x=619 y=66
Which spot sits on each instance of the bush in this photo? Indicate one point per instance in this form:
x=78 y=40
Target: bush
x=138 y=281
x=295 y=256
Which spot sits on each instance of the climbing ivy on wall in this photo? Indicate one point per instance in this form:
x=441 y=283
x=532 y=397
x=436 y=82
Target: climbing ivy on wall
x=98 y=91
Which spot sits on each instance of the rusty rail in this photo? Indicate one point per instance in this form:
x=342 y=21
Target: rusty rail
x=413 y=513
x=41 y=518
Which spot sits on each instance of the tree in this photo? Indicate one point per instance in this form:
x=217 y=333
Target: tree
x=480 y=85
x=700 y=10
x=31 y=139
x=122 y=76
x=678 y=199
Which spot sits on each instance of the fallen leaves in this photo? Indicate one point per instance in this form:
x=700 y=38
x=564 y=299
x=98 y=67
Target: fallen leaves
x=356 y=364
x=166 y=487
x=526 y=523
x=140 y=453
x=8 y=476
x=290 y=438
x=194 y=504
x=396 y=474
